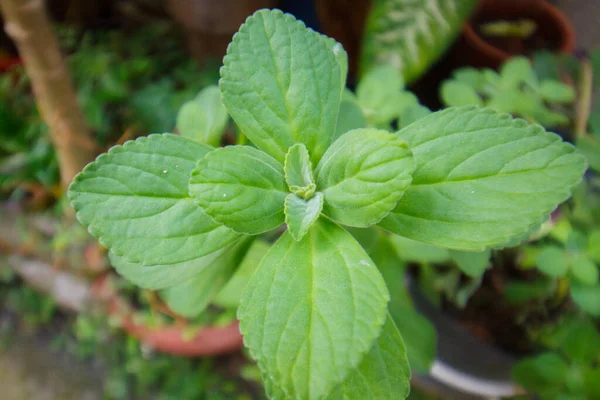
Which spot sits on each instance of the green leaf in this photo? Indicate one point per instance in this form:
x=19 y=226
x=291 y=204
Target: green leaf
x=192 y=297
x=593 y=246
x=414 y=251
x=589 y=146
x=350 y=116
x=134 y=199
x=298 y=171
x=585 y=270
x=470 y=76
x=379 y=93
x=586 y=297
x=411 y=114
x=306 y=333
x=471 y=263
x=362 y=176
x=301 y=214
x=557 y=92
x=418 y=333
x=383 y=373
x=500 y=179
x=204 y=118
x=544 y=373
x=553 y=261
x=240 y=187
x=516 y=71
x=282 y=84
x=229 y=296
x=411 y=35
x=455 y=94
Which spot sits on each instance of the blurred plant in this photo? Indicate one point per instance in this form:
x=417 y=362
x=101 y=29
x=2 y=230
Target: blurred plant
x=411 y=35
x=569 y=369
x=523 y=28
x=516 y=90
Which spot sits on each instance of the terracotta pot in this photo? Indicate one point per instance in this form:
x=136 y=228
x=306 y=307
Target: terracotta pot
x=552 y=25
x=208 y=341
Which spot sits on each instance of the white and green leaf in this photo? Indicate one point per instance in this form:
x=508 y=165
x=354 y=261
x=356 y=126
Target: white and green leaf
x=298 y=171
x=501 y=178
x=282 y=84
x=204 y=118
x=362 y=176
x=135 y=200
x=240 y=187
x=306 y=333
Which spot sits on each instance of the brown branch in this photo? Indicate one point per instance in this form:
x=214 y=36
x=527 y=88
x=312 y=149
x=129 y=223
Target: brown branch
x=27 y=23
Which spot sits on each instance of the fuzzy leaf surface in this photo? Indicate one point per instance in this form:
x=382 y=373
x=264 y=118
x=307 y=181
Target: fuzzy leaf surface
x=282 y=84
x=362 y=176
x=135 y=200
x=312 y=310
x=301 y=214
x=240 y=187
x=502 y=176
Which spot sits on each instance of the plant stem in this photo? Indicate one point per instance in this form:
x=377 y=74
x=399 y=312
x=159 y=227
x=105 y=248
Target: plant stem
x=27 y=23
x=586 y=80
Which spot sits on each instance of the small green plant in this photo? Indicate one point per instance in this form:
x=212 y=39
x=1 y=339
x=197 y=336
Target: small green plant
x=314 y=314
x=569 y=368
x=516 y=90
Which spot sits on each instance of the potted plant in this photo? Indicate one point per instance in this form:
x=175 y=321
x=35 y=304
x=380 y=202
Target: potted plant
x=500 y=29
x=317 y=312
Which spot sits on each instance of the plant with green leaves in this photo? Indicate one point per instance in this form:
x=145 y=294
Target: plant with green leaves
x=314 y=314
x=516 y=89
x=568 y=369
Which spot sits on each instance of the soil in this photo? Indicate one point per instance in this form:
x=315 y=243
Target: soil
x=490 y=317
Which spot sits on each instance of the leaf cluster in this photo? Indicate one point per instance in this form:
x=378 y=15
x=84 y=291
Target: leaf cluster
x=178 y=214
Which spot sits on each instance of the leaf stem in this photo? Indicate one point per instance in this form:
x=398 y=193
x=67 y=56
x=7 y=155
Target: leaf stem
x=586 y=79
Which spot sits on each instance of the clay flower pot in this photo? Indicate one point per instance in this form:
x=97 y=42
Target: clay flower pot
x=208 y=341
x=553 y=29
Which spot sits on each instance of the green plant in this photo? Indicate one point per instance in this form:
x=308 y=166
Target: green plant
x=411 y=35
x=516 y=90
x=315 y=311
x=569 y=369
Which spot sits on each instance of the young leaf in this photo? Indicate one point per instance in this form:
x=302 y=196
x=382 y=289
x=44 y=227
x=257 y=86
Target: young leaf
x=191 y=297
x=516 y=71
x=557 y=92
x=585 y=270
x=298 y=171
x=553 y=261
x=301 y=214
x=135 y=200
x=379 y=92
x=456 y=94
x=383 y=373
x=586 y=297
x=414 y=251
x=282 y=84
x=306 y=333
x=240 y=187
x=362 y=176
x=471 y=263
x=204 y=118
x=501 y=178
x=544 y=373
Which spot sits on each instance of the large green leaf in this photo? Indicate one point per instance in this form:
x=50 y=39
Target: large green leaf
x=502 y=177
x=383 y=373
x=312 y=310
x=411 y=34
x=362 y=175
x=192 y=297
x=240 y=187
x=135 y=200
x=204 y=118
x=282 y=84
